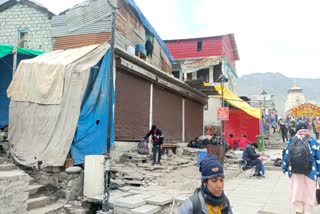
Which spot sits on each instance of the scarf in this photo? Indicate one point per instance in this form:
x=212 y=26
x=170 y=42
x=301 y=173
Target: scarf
x=213 y=200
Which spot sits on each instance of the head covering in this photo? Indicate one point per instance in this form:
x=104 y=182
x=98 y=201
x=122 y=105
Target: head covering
x=210 y=167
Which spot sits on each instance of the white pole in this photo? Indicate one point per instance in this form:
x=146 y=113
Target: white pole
x=15 y=54
x=183 y=120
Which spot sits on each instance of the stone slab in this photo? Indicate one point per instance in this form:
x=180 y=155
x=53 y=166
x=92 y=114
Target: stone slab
x=130 y=202
x=7 y=167
x=52 y=208
x=33 y=189
x=181 y=198
x=160 y=200
x=38 y=202
x=146 y=209
x=121 y=210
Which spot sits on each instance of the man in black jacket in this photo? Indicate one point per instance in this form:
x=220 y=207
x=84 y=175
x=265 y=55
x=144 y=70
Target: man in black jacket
x=252 y=158
x=157 y=140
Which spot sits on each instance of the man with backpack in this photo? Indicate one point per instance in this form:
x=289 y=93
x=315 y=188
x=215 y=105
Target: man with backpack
x=301 y=159
x=157 y=140
x=210 y=197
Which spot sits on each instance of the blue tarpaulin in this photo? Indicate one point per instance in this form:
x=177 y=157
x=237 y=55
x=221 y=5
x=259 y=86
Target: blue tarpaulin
x=149 y=27
x=6 y=63
x=91 y=133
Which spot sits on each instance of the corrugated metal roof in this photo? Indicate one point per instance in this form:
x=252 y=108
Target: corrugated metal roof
x=77 y=19
x=84 y=18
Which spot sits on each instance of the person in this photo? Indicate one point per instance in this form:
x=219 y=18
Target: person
x=274 y=126
x=284 y=130
x=303 y=185
x=232 y=142
x=157 y=141
x=243 y=142
x=315 y=126
x=210 y=197
x=252 y=158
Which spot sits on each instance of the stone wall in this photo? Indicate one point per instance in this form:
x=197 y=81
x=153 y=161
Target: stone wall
x=36 y=23
x=13 y=192
x=69 y=186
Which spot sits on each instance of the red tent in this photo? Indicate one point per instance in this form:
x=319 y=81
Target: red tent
x=241 y=123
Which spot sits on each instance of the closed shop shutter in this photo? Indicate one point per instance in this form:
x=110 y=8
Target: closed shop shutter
x=193 y=120
x=167 y=114
x=132 y=106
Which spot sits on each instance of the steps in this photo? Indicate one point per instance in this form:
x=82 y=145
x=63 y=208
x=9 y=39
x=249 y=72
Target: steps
x=41 y=204
x=49 y=209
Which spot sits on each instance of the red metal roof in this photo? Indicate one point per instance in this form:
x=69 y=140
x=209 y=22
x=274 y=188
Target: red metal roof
x=223 y=45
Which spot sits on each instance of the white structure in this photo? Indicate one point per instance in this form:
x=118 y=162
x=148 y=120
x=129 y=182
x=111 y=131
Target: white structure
x=295 y=98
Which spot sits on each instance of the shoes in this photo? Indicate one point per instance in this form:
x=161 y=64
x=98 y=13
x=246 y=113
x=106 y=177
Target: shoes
x=159 y=163
x=153 y=163
x=258 y=175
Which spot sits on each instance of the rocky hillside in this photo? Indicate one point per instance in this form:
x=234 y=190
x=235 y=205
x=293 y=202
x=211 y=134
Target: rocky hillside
x=278 y=85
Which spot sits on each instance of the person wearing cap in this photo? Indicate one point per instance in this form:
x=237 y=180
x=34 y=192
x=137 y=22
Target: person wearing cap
x=210 y=197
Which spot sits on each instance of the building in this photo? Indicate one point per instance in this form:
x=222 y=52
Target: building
x=205 y=59
x=26 y=23
x=146 y=93
x=295 y=98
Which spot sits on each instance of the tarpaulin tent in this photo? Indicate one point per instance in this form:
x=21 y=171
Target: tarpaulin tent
x=6 y=66
x=241 y=123
x=59 y=101
x=243 y=120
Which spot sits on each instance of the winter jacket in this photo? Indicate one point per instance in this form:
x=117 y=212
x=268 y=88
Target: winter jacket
x=156 y=135
x=315 y=156
x=249 y=153
x=187 y=208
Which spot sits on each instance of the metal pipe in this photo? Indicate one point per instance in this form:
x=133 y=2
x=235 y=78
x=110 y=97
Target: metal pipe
x=107 y=174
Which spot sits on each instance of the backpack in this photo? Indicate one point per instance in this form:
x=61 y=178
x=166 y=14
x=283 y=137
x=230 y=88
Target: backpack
x=299 y=156
x=143 y=148
x=196 y=204
x=277 y=162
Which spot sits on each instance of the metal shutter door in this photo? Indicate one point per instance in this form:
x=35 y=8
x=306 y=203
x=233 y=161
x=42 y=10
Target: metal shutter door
x=132 y=106
x=167 y=114
x=193 y=120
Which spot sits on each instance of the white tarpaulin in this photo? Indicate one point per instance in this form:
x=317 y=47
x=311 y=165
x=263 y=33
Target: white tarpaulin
x=40 y=80
x=42 y=134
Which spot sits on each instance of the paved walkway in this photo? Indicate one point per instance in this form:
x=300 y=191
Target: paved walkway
x=267 y=195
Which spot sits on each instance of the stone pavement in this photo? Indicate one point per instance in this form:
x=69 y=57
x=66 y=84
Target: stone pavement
x=269 y=195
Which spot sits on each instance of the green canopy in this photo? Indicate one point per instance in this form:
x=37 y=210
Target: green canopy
x=6 y=49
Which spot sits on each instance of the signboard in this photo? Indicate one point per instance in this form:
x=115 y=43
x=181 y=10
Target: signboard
x=223 y=113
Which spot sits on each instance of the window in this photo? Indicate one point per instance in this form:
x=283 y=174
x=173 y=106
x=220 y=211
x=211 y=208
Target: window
x=199 y=45
x=23 y=38
x=176 y=74
x=149 y=44
x=203 y=75
x=217 y=70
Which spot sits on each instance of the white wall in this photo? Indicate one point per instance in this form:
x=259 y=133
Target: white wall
x=210 y=115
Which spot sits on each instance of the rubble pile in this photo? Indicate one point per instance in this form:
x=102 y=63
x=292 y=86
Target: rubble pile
x=4 y=147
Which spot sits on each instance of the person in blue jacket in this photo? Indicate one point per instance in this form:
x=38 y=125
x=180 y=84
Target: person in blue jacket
x=303 y=186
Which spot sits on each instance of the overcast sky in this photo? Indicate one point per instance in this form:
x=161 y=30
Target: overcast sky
x=272 y=36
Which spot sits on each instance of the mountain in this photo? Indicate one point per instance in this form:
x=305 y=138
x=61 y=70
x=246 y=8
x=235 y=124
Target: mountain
x=278 y=85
